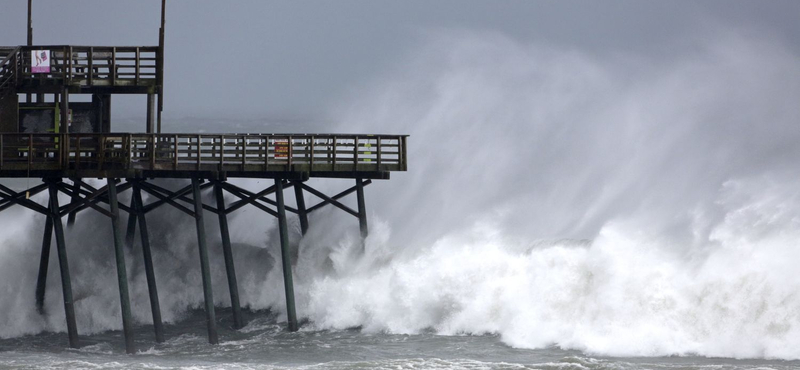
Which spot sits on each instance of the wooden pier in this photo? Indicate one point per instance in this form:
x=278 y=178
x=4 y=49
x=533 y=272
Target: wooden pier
x=43 y=135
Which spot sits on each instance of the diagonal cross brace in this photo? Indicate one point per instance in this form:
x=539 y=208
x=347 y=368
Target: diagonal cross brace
x=146 y=187
x=87 y=201
x=172 y=196
x=248 y=197
x=327 y=199
x=7 y=202
x=238 y=192
x=180 y=197
x=337 y=197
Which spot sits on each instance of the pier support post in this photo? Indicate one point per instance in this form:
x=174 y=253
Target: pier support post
x=285 y=256
x=362 y=209
x=204 y=268
x=44 y=262
x=301 y=209
x=76 y=188
x=66 y=284
x=233 y=287
x=155 y=307
x=130 y=231
x=122 y=274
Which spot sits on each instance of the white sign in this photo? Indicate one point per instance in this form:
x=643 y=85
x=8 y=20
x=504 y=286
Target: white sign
x=40 y=61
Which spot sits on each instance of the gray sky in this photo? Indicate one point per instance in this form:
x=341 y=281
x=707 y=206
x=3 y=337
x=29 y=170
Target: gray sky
x=292 y=59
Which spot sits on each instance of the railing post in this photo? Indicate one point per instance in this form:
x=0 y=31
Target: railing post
x=333 y=162
x=355 y=154
x=198 y=152
x=175 y=152
x=291 y=152
x=244 y=152
x=91 y=65
x=379 y=153
x=137 y=75
x=153 y=152
x=112 y=69
x=221 y=151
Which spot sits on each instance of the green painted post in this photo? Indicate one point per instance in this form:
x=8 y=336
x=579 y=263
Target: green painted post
x=44 y=262
x=122 y=274
x=362 y=209
x=301 y=209
x=204 y=268
x=285 y=257
x=66 y=284
x=155 y=307
x=227 y=252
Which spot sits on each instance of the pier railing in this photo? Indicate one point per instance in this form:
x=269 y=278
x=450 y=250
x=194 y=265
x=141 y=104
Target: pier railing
x=95 y=65
x=202 y=152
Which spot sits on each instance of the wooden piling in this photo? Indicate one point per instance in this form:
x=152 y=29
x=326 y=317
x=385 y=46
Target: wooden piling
x=301 y=209
x=155 y=307
x=66 y=284
x=362 y=209
x=122 y=275
x=285 y=257
x=204 y=267
x=44 y=262
x=130 y=231
x=76 y=188
x=230 y=269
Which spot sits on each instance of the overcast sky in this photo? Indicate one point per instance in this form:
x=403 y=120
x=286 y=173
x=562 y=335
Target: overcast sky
x=292 y=59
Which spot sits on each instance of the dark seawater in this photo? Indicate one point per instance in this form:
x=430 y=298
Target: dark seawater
x=265 y=344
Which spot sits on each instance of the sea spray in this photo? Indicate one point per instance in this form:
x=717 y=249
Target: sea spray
x=613 y=204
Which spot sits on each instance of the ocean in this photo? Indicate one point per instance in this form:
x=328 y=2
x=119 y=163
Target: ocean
x=265 y=344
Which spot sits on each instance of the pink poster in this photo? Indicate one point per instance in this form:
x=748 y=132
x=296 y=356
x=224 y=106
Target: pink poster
x=40 y=61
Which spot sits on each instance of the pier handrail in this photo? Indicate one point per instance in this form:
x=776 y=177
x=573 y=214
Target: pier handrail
x=241 y=153
x=97 y=65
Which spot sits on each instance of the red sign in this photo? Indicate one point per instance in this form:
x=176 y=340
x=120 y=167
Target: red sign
x=281 y=148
